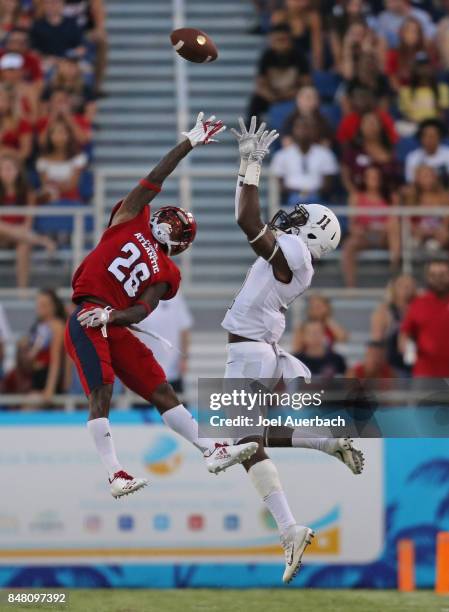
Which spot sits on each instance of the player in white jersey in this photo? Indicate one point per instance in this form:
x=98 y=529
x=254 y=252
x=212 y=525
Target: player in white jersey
x=255 y=322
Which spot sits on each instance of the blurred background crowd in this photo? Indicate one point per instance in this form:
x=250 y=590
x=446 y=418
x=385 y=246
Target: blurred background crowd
x=359 y=91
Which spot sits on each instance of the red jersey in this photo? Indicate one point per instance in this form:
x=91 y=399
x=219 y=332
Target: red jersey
x=126 y=261
x=427 y=322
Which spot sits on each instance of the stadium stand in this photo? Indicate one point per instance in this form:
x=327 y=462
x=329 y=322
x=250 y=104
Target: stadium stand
x=151 y=94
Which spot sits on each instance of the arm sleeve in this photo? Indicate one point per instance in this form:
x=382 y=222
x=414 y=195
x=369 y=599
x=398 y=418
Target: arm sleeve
x=238 y=191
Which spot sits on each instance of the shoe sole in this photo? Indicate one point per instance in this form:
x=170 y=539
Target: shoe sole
x=131 y=491
x=307 y=541
x=357 y=457
x=242 y=456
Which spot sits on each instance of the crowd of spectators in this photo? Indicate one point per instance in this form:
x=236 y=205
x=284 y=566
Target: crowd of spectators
x=407 y=332
x=52 y=62
x=359 y=91
x=41 y=368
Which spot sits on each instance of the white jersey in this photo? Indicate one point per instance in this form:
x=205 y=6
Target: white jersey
x=258 y=310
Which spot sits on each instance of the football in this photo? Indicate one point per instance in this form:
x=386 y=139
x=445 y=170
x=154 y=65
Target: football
x=194 y=45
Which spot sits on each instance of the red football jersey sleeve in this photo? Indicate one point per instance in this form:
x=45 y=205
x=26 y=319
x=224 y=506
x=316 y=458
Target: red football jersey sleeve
x=126 y=261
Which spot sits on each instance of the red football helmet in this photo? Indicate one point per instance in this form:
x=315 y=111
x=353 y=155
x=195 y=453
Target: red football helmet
x=173 y=227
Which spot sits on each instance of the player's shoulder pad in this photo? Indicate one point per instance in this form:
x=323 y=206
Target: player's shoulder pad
x=295 y=252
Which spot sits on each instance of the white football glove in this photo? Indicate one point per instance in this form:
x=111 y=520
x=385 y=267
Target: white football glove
x=203 y=131
x=248 y=139
x=263 y=145
x=95 y=317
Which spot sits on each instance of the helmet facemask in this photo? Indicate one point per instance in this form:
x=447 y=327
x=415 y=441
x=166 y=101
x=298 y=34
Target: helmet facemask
x=174 y=228
x=290 y=222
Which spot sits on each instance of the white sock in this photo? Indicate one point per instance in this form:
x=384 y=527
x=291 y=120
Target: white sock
x=265 y=478
x=100 y=431
x=180 y=420
x=319 y=444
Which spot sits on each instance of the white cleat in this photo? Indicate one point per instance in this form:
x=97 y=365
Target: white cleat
x=350 y=456
x=294 y=544
x=223 y=456
x=123 y=484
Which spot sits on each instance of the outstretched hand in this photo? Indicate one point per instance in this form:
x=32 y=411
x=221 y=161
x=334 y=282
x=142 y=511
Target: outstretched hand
x=204 y=131
x=263 y=145
x=247 y=139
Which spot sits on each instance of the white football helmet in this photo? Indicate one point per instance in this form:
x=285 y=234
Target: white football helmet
x=317 y=225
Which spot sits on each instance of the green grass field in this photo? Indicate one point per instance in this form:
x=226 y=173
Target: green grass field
x=257 y=600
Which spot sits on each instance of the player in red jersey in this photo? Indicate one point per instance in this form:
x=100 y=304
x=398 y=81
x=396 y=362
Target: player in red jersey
x=117 y=285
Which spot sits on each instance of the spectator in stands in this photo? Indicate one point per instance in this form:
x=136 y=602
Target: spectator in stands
x=308 y=108
x=90 y=16
x=171 y=320
x=344 y=15
x=426 y=324
x=60 y=165
x=427 y=191
x=305 y=24
x=316 y=355
x=319 y=308
x=45 y=346
x=374 y=364
x=11 y=16
x=282 y=70
x=442 y=37
x=15 y=130
x=400 y=61
x=425 y=97
x=390 y=21
x=15 y=191
x=366 y=75
x=362 y=102
x=69 y=78
x=306 y=171
x=53 y=35
x=431 y=151
x=366 y=231
x=59 y=107
x=387 y=318
x=25 y=94
x=358 y=42
x=371 y=146
x=18 y=42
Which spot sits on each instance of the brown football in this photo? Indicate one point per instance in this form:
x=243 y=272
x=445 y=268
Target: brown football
x=194 y=45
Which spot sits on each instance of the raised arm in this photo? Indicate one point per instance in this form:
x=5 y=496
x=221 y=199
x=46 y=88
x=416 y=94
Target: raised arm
x=202 y=133
x=253 y=147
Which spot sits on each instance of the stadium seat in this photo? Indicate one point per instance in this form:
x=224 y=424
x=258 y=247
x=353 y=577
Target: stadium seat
x=332 y=112
x=326 y=83
x=406 y=145
x=278 y=113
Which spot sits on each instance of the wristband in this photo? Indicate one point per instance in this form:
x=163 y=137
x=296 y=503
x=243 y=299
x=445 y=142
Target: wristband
x=150 y=186
x=243 y=166
x=252 y=175
x=147 y=307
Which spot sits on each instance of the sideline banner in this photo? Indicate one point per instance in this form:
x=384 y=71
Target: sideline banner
x=59 y=509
